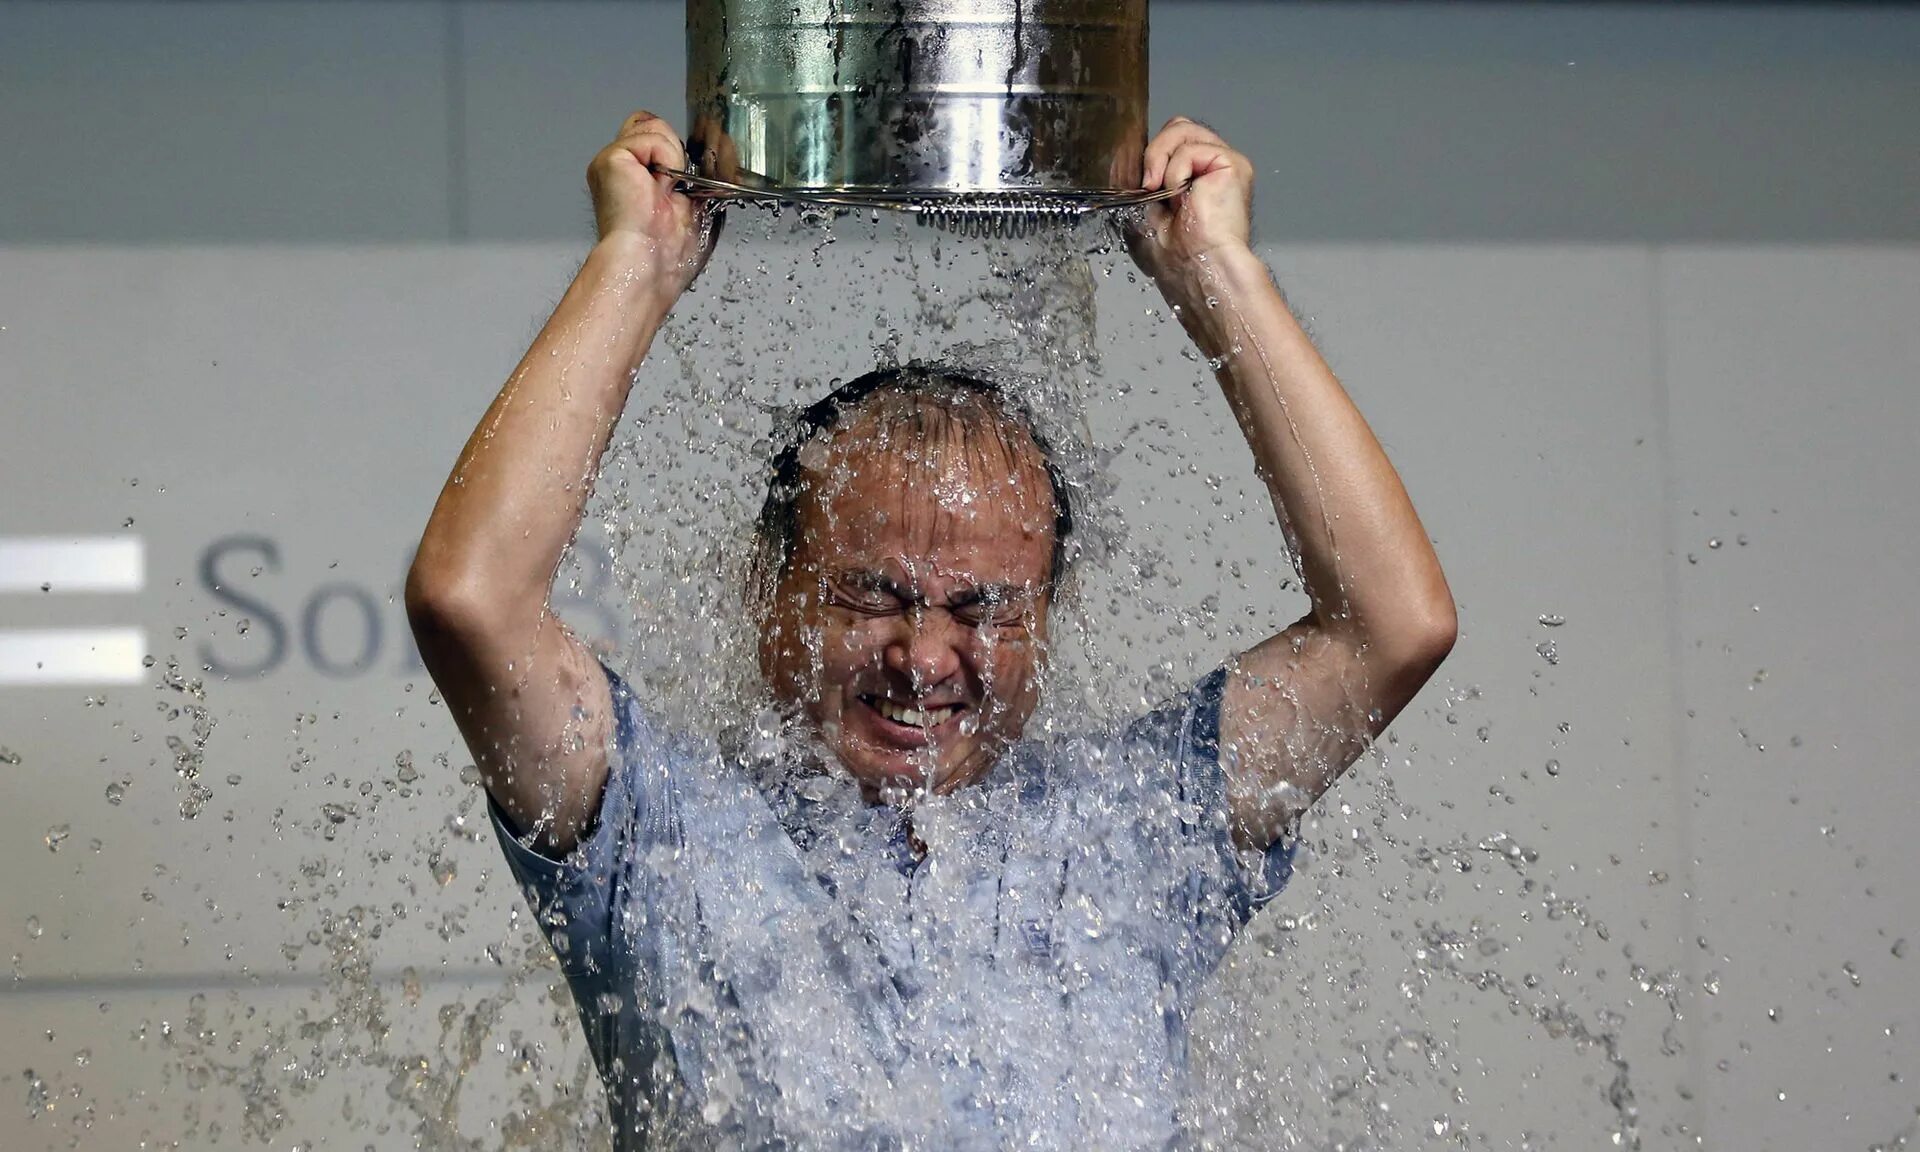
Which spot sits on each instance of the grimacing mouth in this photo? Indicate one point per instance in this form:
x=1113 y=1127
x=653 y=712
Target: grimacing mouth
x=921 y=715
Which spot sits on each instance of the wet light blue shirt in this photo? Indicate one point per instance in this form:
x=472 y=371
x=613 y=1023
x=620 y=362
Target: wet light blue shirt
x=762 y=960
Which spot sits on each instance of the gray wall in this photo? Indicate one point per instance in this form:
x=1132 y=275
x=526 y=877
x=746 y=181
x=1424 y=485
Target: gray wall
x=148 y=123
x=1627 y=292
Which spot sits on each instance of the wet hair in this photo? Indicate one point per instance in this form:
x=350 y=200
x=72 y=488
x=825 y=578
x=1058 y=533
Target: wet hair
x=945 y=389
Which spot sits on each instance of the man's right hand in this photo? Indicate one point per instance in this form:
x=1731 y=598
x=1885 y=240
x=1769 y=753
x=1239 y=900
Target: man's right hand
x=634 y=203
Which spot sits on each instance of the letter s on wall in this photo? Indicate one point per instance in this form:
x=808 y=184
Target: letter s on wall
x=261 y=613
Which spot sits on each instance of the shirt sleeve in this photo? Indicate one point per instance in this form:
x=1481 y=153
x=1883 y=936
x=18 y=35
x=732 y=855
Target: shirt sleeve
x=1255 y=877
x=574 y=897
x=1178 y=749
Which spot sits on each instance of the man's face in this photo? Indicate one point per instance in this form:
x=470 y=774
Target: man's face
x=911 y=624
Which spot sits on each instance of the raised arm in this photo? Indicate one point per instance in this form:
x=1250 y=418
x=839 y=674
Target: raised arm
x=1302 y=705
x=528 y=697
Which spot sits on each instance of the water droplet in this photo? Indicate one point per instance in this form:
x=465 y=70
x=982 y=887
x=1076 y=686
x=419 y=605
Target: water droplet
x=1552 y=620
x=1900 y=948
x=57 y=835
x=1548 y=651
x=1553 y=767
x=117 y=790
x=33 y=928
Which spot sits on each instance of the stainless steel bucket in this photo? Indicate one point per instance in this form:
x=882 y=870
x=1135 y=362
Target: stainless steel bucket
x=1035 y=105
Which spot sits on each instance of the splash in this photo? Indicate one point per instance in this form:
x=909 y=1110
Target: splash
x=1360 y=1011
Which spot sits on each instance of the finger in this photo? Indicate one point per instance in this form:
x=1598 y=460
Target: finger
x=1184 y=121
x=1141 y=229
x=637 y=121
x=716 y=222
x=652 y=141
x=1179 y=130
x=657 y=150
x=653 y=152
x=729 y=162
x=1196 y=158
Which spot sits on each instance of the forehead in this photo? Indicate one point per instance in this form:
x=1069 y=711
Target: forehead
x=962 y=495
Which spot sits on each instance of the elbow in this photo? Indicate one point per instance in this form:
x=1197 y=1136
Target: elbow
x=1437 y=626
x=459 y=600
x=445 y=604
x=1420 y=642
x=1435 y=634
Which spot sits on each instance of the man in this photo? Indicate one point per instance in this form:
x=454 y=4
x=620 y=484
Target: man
x=890 y=921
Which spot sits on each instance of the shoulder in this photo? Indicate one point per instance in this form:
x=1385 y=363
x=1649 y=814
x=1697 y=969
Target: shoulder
x=680 y=784
x=1173 y=749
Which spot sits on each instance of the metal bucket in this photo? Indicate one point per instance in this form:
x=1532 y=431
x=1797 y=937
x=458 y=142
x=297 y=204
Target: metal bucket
x=920 y=102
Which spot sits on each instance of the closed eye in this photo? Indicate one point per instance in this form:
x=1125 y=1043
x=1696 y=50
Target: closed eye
x=867 y=593
x=992 y=607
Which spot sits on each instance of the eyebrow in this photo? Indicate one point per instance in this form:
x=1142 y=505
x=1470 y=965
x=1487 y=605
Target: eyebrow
x=879 y=581
x=1003 y=592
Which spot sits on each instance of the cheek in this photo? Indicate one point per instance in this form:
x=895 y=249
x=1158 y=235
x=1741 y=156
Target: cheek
x=799 y=653
x=1008 y=661
x=848 y=647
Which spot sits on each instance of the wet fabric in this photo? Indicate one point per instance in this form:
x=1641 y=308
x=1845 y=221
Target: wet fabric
x=763 y=960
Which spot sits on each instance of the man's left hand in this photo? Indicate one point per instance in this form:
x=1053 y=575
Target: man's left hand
x=1214 y=215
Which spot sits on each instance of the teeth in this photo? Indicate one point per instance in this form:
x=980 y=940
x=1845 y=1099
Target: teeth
x=914 y=717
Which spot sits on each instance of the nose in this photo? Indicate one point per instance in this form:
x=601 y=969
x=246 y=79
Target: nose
x=926 y=648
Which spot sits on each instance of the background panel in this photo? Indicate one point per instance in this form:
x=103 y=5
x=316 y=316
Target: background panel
x=274 y=425
x=1557 y=121
x=547 y=86
x=1794 y=412
x=1503 y=890
x=353 y=1060
x=146 y=123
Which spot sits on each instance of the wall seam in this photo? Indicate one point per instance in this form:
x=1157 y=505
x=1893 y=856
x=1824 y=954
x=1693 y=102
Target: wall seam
x=426 y=975
x=1682 y=770
x=459 y=224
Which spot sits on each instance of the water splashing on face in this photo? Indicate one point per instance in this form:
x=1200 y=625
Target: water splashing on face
x=1352 y=1014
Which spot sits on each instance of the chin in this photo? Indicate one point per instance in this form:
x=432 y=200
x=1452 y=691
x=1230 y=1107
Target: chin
x=882 y=775
x=878 y=777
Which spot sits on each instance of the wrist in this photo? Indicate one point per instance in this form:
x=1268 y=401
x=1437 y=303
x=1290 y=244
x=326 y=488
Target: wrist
x=1235 y=268
x=630 y=266
x=1210 y=292
x=1187 y=281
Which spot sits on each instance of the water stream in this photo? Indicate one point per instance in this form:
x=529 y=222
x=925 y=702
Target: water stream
x=1424 y=972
